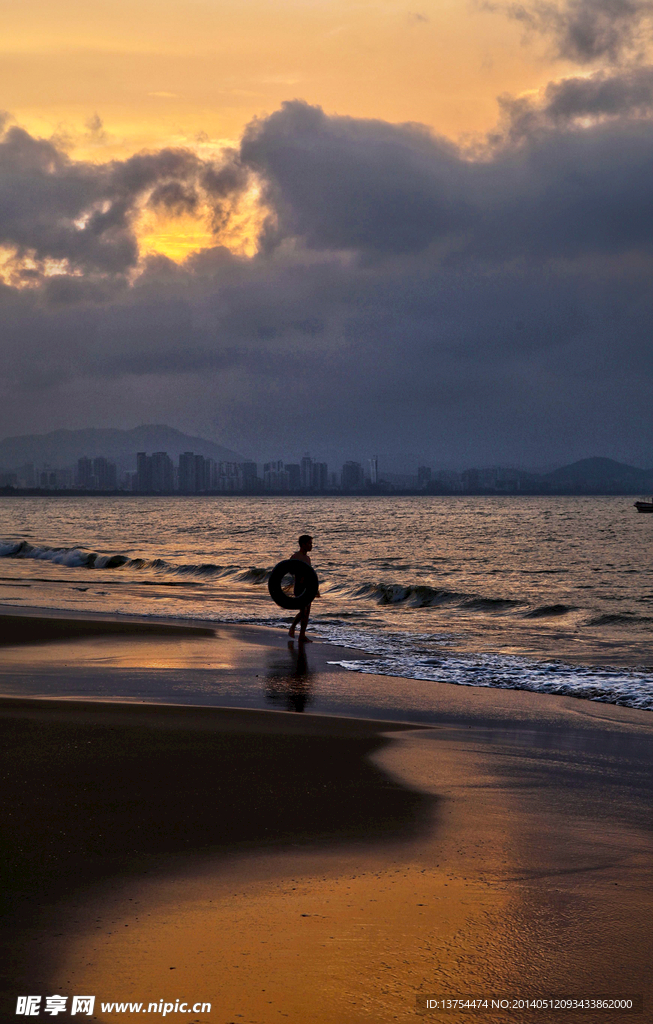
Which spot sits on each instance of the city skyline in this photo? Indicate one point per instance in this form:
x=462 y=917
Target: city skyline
x=195 y=474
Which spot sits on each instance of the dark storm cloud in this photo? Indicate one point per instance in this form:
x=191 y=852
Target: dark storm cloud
x=379 y=189
x=408 y=295
x=587 y=30
x=339 y=182
x=601 y=96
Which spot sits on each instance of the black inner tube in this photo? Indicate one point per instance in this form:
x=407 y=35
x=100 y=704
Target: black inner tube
x=304 y=590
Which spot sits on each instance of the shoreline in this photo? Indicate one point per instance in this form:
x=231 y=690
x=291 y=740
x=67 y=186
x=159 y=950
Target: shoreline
x=99 y=655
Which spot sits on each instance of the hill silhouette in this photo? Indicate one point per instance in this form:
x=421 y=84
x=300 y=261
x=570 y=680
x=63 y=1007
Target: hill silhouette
x=600 y=474
x=62 y=448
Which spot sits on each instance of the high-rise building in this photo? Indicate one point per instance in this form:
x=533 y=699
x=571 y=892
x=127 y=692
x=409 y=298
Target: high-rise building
x=65 y=479
x=162 y=473
x=211 y=474
x=48 y=478
x=143 y=472
x=352 y=477
x=449 y=479
x=106 y=474
x=84 y=475
x=248 y=475
x=470 y=479
x=319 y=476
x=229 y=476
x=294 y=471
x=306 y=472
x=187 y=473
x=202 y=471
x=275 y=477
x=374 y=470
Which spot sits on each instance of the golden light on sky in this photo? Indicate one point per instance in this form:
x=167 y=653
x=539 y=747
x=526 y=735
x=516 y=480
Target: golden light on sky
x=177 y=236
x=156 y=70
x=108 y=80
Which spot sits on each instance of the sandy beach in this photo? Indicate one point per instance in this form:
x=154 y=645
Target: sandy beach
x=309 y=867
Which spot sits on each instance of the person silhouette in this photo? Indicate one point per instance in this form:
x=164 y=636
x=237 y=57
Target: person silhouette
x=305 y=545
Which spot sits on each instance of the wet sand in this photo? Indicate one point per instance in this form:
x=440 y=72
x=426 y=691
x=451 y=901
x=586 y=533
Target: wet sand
x=34 y=628
x=323 y=869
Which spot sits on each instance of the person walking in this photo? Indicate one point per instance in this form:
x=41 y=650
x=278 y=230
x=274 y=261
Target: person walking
x=301 y=618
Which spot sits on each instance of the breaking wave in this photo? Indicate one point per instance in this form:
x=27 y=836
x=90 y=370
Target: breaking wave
x=422 y=596
x=380 y=593
x=79 y=558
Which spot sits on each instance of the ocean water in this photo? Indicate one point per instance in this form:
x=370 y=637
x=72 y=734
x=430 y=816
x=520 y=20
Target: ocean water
x=546 y=594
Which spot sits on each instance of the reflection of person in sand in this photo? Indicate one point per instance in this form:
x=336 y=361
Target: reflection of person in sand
x=290 y=681
x=305 y=545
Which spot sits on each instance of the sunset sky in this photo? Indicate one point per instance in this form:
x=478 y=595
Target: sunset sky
x=109 y=80
x=167 y=72
x=440 y=210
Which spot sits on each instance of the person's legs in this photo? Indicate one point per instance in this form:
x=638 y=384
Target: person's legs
x=291 y=631
x=304 y=616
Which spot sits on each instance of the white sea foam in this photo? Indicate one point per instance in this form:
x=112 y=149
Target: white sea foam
x=424 y=656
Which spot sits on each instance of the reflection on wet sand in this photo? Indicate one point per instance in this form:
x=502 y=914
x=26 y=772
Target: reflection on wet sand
x=289 y=678
x=518 y=884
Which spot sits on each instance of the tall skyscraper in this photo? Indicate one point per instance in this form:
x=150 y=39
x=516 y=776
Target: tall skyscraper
x=248 y=475
x=319 y=476
x=84 y=475
x=162 y=473
x=201 y=468
x=143 y=472
x=306 y=472
x=353 y=478
x=275 y=477
x=105 y=473
x=374 y=470
x=187 y=473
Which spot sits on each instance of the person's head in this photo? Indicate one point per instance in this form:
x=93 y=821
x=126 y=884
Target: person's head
x=305 y=542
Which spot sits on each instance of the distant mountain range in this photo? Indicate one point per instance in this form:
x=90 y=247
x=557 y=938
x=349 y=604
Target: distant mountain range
x=62 y=448
x=601 y=473
x=587 y=476
x=591 y=476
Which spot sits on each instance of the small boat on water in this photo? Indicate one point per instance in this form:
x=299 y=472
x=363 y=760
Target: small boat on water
x=644 y=506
